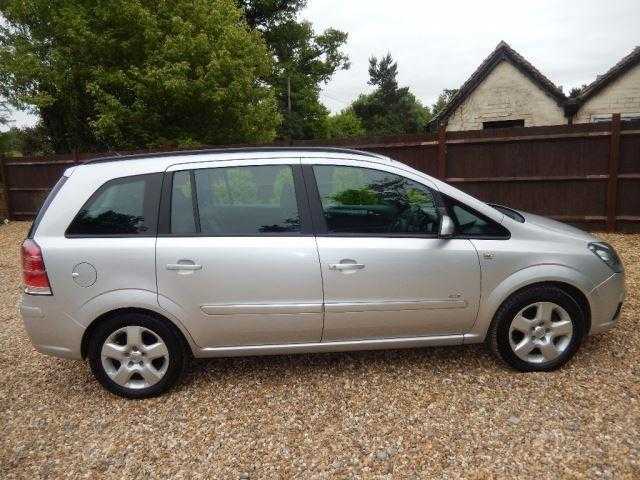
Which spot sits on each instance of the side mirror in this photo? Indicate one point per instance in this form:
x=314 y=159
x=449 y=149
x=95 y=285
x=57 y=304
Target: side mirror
x=447 y=227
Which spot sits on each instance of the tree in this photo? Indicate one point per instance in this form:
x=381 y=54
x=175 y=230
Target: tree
x=25 y=141
x=303 y=61
x=443 y=100
x=264 y=14
x=576 y=91
x=4 y=112
x=389 y=110
x=344 y=125
x=134 y=73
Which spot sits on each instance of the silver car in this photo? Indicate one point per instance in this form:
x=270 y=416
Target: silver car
x=138 y=263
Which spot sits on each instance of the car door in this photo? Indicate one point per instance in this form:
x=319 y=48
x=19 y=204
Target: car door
x=235 y=257
x=386 y=274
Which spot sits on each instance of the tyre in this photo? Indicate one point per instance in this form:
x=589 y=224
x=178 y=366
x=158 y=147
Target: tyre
x=135 y=355
x=537 y=329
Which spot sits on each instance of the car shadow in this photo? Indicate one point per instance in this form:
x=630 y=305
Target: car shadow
x=310 y=365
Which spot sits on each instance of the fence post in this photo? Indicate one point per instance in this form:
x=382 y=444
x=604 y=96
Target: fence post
x=612 y=186
x=442 y=153
x=5 y=182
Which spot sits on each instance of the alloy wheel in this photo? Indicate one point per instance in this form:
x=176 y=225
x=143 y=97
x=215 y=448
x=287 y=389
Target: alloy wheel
x=540 y=332
x=135 y=357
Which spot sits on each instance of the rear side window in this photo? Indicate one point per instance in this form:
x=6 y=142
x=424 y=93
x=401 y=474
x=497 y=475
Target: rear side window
x=123 y=206
x=365 y=201
x=249 y=200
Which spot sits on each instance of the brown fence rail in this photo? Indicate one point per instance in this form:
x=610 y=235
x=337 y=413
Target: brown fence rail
x=587 y=174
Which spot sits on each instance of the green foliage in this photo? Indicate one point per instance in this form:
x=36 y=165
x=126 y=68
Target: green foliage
x=26 y=141
x=418 y=198
x=243 y=186
x=443 y=100
x=576 y=91
x=344 y=178
x=4 y=112
x=344 y=125
x=303 y=61
x=264 y=14
x=136 y=73
x=353 y=196
x=389 y=110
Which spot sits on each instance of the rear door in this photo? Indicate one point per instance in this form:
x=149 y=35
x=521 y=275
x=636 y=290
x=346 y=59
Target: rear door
x=386 y=274
x=236 y=258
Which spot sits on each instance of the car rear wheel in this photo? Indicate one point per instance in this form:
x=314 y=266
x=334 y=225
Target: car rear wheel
x=537 y=329
x=136 y=355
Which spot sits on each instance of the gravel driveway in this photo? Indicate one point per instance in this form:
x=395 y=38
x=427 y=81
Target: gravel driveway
x=441 y=412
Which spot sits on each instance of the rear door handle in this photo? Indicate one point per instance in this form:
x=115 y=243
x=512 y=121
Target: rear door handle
x=346 y=266
x=183 y=266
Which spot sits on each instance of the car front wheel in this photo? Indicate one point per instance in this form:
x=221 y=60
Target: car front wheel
x=537 y=329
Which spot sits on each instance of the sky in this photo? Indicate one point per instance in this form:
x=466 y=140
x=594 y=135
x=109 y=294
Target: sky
x=438 y=45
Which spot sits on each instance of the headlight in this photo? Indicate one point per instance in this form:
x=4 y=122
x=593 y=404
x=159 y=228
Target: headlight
x=607 y=254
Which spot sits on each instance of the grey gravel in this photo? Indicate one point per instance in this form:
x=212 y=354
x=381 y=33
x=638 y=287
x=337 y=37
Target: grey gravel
x=443 y=411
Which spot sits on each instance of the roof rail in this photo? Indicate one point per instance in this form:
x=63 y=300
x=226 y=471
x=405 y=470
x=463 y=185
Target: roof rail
x=230 y=150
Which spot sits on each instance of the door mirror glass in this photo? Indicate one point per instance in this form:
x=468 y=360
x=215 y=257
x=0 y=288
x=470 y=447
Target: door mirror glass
x=447 y=227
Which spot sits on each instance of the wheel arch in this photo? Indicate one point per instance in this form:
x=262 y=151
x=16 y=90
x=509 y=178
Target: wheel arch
x=571 y=281
x=575 y=293
x=89 y=331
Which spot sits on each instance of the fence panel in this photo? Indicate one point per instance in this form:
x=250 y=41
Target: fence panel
x=582 y=174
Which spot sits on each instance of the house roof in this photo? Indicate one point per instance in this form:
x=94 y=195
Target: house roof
x=502 y=52
x=615 y=72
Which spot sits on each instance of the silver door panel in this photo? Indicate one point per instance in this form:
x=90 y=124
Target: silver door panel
x=249 y=291
x=407 y=287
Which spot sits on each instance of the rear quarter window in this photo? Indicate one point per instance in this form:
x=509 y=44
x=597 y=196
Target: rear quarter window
x=125 y=206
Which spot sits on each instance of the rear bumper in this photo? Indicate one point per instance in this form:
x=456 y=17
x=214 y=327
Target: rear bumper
x=51 y=331
x=606 y=301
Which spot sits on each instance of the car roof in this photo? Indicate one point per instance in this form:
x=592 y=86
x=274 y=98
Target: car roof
x=123 y=165
x=186 y=156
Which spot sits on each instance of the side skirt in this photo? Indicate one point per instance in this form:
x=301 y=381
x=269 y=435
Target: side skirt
x=319 y=347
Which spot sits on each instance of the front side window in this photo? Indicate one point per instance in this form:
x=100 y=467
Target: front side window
x=470 y=223
x=362 y=200
x=249 y=200
x=123 y=206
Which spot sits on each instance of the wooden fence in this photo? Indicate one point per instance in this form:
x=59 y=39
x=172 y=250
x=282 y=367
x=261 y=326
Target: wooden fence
x=585 y=174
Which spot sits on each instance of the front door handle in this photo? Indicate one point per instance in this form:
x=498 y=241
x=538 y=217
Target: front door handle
x=183 y=266
x=346 y=265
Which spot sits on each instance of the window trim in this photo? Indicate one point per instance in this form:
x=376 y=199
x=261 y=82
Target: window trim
x=150 y=205
x=450 y=202
x=164 y=224
x=317 y=214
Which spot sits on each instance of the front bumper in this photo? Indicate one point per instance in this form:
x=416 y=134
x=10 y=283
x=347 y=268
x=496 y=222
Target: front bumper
x=606 y=300
x=52 y=332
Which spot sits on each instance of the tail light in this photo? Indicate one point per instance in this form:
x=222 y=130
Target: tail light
x=36 y=281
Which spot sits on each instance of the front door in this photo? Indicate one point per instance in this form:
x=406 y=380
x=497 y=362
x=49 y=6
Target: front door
x=386 y=274
x=238 y=264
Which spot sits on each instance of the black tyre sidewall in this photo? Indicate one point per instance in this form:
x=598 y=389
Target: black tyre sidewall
x=169 y=337
x=520 y=300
